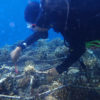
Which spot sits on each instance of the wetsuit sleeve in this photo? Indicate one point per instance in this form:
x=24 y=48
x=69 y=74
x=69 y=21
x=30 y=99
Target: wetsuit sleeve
x=33 y=38
x=75 y=53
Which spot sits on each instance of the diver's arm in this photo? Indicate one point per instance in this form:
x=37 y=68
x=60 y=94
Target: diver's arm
x=75 y=54
x=33 y=38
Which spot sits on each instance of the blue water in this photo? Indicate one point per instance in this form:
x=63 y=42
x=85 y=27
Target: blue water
x=12 y=22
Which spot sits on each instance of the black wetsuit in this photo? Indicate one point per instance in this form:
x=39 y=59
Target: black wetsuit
x=83 y=24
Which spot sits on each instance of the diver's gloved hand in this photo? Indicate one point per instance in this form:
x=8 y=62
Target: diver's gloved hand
x=45 y=76
x=53 y=72
x=15 y=54
x=50 y=74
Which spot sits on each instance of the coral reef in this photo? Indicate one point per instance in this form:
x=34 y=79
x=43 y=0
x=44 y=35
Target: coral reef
x=77 y=84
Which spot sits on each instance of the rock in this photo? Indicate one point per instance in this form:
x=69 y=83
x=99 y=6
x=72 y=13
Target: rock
x=73 y=70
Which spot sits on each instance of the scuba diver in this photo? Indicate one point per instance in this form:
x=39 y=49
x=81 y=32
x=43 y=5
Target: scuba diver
x=77 y=20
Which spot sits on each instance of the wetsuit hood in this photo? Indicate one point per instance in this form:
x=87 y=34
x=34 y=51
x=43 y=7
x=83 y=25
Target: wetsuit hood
x=32 y=12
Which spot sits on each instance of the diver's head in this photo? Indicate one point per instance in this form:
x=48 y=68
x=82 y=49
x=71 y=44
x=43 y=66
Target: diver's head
x=32 y=12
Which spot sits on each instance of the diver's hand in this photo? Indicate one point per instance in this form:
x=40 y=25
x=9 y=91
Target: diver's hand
x=15 y=54
x=50 y=72
x=48 y=75
x=53 y=72
x=52 y=75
